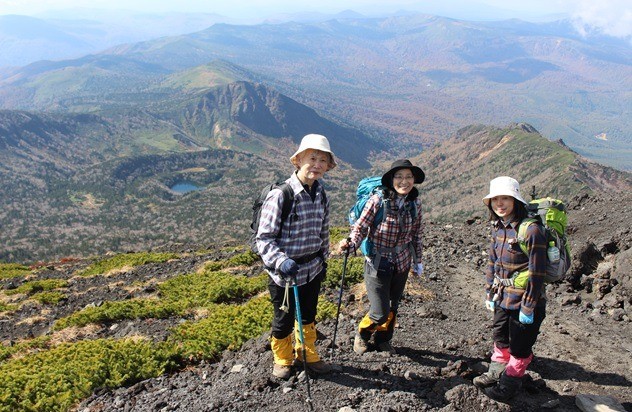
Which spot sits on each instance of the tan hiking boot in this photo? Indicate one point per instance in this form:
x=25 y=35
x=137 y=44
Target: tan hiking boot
x=360 y=346
x=319 y=368
x=282 y=371
x=491 y=377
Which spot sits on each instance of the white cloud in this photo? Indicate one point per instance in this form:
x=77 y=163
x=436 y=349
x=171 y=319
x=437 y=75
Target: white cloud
x=612 y=17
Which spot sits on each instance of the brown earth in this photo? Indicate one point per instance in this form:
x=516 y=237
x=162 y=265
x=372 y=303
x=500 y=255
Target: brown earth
x=442 y=338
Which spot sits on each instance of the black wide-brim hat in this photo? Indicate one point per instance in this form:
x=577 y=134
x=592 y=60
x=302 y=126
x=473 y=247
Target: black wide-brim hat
x=387 y=179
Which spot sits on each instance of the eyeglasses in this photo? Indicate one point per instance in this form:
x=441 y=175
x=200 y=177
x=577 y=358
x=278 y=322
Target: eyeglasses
x=403 y=177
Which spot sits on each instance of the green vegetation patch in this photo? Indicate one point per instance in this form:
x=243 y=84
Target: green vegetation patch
x=178 y=295
x=13 y=270
x=247 y=258
x=119 y=310
x=126 y=260
x=56 y=379
x=354 y=274
x=226 y=327
x=5 y=307
x=23 y=347
x=326 y=309
x=49 y=298
x=202 y=289
x=37 y=286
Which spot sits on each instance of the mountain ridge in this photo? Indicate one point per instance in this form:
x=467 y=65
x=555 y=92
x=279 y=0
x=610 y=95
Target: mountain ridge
x=416 y=79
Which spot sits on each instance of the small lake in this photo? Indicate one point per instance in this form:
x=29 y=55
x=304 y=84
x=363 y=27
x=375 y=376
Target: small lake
x=185 y=187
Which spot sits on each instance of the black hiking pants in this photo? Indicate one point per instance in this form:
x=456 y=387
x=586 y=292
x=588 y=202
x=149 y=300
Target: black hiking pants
x=510 y=333
x=283 y=322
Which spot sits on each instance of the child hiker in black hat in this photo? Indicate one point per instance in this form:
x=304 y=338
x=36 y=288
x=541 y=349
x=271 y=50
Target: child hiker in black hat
x=395 y=249
x=297 y=256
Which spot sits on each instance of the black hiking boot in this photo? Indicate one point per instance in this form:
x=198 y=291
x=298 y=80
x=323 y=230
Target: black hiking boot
x=507 y=387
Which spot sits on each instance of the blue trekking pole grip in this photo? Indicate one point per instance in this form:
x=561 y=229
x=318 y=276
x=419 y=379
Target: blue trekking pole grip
x=299 y=320
x=342 y=284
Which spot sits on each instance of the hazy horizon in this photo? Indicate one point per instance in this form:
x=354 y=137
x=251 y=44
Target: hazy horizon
x=612 y=17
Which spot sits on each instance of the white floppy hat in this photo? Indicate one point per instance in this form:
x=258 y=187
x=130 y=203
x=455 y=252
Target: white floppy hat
x=504 y=186
x=316 y=142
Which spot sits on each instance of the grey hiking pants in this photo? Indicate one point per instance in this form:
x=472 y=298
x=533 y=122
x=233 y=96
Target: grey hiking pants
x=384 y=288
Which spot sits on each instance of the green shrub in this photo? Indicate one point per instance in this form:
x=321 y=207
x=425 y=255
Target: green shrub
x=201 y=289
x=226 y=327
x=178 y=295
x=13 y=270
x=49 y=298
x=126 y=309
x=37 y=286
x=56 y=379
x=247 y=258
x=354 y=274
x=22 y=347
x=336 y=234
x=5 y=307
x=128 y=259
x=326 y=309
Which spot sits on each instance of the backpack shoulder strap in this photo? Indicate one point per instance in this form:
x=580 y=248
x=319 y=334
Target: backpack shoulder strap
x=522 y=233
x=288 y=199
x=382 y=209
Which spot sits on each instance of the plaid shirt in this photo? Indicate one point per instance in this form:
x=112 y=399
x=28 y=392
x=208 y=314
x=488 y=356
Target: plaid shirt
x=391 y=232
x=506 y=258
x=304 y=232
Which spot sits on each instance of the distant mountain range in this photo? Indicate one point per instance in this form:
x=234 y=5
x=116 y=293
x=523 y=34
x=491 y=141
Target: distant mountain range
x=92 y=150
x=407 y=80
x=53 y=204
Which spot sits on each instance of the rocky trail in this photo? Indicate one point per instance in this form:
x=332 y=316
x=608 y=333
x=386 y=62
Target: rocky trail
x=442 y=339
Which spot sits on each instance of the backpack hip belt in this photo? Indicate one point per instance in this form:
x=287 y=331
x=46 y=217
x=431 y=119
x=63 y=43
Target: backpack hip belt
x=305 y=259
x=498 y=281
x=382 y=251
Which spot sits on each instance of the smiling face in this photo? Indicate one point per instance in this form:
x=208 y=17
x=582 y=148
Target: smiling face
x=312 y=165
x=403 y=181
x=503 y=206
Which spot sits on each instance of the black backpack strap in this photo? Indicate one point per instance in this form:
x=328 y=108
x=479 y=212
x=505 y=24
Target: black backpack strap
x=288 y=200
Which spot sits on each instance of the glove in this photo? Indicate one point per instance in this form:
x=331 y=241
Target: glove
x=418 y=269
x=490 y=305
x=288 y=269
x=525 y=319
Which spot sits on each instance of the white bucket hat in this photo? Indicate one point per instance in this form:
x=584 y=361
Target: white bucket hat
x=504 y=186
x=316 y=142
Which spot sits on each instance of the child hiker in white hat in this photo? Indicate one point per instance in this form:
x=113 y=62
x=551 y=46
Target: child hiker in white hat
x=294 y=253
x=519 y=308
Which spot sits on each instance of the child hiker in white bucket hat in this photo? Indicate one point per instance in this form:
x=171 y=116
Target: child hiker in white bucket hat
x=519 y=309
x=294 y=253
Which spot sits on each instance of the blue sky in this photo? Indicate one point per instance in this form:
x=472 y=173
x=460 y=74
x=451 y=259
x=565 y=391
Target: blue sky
x=614 y=17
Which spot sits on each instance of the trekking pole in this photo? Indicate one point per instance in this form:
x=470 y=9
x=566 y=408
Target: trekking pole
x=342 y=284
x=299 y=319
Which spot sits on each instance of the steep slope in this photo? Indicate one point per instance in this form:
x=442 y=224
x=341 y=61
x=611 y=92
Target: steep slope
x=252 y=117
x=458 y=170
x=100 y=346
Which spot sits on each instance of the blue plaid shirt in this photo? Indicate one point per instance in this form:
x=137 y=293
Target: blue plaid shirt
x=304 y=232
x=506 y=258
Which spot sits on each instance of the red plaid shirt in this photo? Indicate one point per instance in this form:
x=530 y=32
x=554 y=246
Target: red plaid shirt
x=396 y=229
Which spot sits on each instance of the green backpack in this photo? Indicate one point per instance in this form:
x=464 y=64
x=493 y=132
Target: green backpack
x=551 y=213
